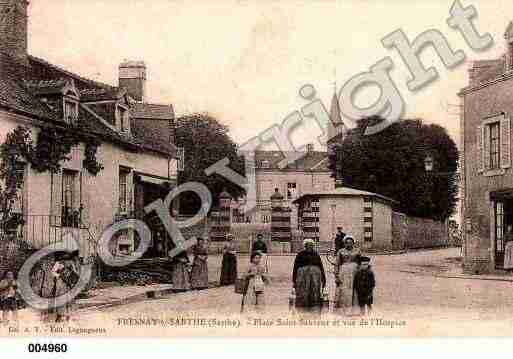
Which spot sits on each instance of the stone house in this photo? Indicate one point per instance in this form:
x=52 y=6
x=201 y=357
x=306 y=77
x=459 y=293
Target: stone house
x=136 y=144
x=364 y=215
x=487 y=177
x=308 y=173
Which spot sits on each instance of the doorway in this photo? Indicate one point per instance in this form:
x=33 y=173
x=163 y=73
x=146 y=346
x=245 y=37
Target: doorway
x=503 y=210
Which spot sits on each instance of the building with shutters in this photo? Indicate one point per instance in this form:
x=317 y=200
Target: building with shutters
x=486 y=173
x=136 y=144
x=310 y=172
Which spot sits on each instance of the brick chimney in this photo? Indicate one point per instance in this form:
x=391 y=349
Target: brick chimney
x=14 y=29
x=132 y=77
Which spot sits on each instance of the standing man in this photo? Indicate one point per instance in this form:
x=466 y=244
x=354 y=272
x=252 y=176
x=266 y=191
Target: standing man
x=339 y=239
x=259 y=247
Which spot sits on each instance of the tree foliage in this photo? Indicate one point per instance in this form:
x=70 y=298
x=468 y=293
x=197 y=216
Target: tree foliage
x=206 y=141
x=392 y=163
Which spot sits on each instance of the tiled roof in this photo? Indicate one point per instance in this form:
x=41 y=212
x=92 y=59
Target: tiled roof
x=45 y=87
x=309 y=161
x=157 y=135
x=152 y=111
x=100 y=94
x=344 y=192
x=21 y=85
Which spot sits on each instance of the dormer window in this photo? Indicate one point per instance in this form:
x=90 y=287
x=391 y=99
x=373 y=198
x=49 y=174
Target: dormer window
x=122 y=119
x=70 y=111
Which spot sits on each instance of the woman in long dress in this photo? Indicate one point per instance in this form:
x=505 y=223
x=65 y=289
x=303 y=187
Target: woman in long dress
x=229 y=264
x=199 y=272
x=345 y=271
x=508 y=249
x=254 y=298
x=308 y=278
x=180 y=264
x=65 y=271
x=43 y=284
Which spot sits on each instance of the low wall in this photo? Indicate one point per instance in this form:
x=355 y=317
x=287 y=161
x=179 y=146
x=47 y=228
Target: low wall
x=412 y=232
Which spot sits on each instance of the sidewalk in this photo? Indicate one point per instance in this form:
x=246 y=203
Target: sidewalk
x=119 y=295
x=457 y=273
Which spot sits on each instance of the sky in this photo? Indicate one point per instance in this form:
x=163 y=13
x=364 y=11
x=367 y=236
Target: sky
x=245 y=61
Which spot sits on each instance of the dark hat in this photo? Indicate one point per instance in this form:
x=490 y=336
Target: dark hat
x=60 y=255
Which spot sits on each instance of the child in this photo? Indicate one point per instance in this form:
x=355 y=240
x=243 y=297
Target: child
x=257 y=278
x=364 y=283
x=8 y=289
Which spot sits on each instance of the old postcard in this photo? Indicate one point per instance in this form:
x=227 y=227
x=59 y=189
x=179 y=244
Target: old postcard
x=255 y=168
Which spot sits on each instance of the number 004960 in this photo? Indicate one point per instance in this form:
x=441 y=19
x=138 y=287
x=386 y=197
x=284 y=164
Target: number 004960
x=47 y=348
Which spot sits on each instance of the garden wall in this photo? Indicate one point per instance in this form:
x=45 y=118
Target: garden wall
x=413 y=233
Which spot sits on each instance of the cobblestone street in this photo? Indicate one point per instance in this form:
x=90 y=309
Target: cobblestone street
x=408 y=289
x=416 y=295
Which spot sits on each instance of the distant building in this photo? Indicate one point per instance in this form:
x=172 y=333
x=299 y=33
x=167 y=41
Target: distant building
x=487 y=177
x=364 y=215
x=136 y=144
x=308 y=173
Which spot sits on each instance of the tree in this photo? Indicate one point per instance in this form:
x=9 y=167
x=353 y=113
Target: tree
x=392 y=163
x=206 y=141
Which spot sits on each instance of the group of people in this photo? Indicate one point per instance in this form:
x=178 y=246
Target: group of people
x=187 y=275
x=354 y=277
x=56 y=275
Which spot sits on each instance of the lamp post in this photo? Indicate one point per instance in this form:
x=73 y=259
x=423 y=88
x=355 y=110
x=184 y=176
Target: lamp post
x=339 y=181
x=429 y=163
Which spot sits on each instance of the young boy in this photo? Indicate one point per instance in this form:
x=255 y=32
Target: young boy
x=8 y=289
x=364 y=283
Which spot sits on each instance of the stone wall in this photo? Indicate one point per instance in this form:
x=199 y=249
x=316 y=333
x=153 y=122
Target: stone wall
x=413 y=233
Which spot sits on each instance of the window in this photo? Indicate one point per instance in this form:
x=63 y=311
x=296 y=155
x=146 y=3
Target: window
x=291 y=190
x=70 y=212
x=123 y=190
x=70 y=111
x=494 y=145
x=494 y=140
x=123 y=119
x=265 y=164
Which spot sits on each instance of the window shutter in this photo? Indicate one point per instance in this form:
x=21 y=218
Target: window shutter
x=56 y=201
x=505 y=138
x=486 y=147
x=479 y=152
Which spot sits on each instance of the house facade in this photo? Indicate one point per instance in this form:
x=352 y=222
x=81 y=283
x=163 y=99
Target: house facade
x=487 y=176
x=136 y=144
x=308 y=173
x=364 y=215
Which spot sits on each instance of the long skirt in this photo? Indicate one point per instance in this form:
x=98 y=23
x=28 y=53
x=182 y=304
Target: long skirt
x=199 y=274
x=62 y=289
x=345 y=296
x=228 y=269
x=253 y=301
x=309 y=288
x=508 y=256
x=180 y=277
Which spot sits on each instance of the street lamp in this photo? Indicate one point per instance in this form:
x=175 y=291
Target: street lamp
x=429 y=163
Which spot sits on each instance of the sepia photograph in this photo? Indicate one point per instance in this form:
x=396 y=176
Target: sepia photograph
x=258 y=169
